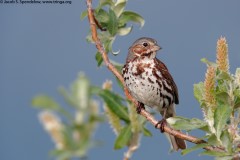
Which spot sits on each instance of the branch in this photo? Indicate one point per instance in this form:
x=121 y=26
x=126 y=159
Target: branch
x=147 y=115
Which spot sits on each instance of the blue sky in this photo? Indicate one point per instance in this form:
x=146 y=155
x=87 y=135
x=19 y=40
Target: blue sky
x=43 y=47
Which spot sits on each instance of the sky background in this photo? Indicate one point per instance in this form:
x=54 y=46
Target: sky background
x=43 y=47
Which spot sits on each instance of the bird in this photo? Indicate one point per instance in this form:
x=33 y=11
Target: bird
x=150 y=83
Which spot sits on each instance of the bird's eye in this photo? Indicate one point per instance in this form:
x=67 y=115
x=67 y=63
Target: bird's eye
x=145 y=44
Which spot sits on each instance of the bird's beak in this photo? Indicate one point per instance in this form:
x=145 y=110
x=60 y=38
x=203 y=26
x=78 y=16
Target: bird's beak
x=156 y=48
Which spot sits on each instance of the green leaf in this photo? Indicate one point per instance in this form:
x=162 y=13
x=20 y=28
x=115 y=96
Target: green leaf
x=83 y=14
x=197 y=146
x=112 y=23
x=62 y=154
x=223 y=76
x=113 y=101
x=99 y=59
x=67 y=136
x=198 y=90
x=237 y=103
x=108 y=46
x=236 y=94
x=181 y=123
x=221 y=87
x=114 y=105
x=124 y=31
x=226 y=141
x=221 y=115
x=131 y=16
x=212 y=140
x=146 y=132
x=118 y=9
x=45 y=102
x=102 y=16
x=204 y=60
x=123 y=138
x=209 y=118
x=222 y=97
x=118 y=66
x=105 y=2
x=127 y=16
x=103 y=36
x=214 y=153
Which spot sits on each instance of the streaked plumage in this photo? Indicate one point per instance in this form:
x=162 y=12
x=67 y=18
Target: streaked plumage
x=149 y=81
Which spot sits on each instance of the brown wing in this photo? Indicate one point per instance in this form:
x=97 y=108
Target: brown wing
x=161 y=66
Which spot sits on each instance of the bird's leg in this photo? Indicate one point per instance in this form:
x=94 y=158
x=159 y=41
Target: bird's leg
x=162 y=122
x=140 y=106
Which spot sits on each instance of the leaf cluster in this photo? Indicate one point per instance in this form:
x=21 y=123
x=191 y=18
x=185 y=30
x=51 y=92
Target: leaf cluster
x=113 y=20
x=219 y=99
x=222 y=117
x=132 y=124
x=79 y=119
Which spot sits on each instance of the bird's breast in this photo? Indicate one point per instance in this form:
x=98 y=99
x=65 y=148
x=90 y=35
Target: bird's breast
x=145 y=83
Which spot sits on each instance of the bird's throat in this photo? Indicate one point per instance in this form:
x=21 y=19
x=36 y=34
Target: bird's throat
x=149 y=55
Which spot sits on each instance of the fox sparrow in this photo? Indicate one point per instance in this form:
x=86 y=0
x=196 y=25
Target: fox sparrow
x=149 y=81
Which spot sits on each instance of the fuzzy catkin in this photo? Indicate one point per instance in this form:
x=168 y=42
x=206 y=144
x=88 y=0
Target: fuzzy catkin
x=222 y=55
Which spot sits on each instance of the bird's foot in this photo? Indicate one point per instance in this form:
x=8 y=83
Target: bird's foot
x=162 y=123
x=140 y=106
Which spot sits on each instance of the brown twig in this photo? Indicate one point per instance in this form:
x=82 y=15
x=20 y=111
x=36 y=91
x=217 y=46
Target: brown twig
x=144 y=113
x=97 y=23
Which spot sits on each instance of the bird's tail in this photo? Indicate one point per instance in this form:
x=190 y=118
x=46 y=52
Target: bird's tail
x=176 y=143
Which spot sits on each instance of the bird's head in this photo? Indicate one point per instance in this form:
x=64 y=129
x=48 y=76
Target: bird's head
x=143 y=47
